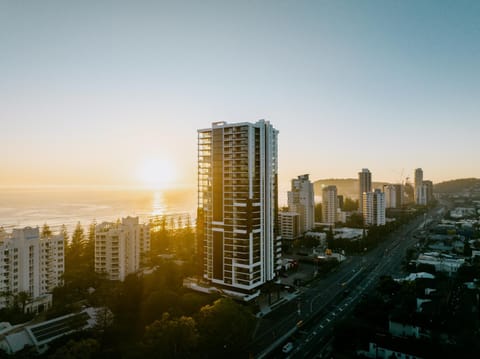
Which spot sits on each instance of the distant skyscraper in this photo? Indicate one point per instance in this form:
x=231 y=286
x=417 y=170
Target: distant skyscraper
x=329 y=204
x=418 y=184
x=421 y=195
x=400 y=195
x=301 y=201
x=429 y=189
x=390 y=196
x=237 y=233
x=365 y=185
x=374 y=208
x=393 y=195
x=340 y=201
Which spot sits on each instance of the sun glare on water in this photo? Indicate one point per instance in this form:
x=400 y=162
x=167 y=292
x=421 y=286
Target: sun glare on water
x=157 y=174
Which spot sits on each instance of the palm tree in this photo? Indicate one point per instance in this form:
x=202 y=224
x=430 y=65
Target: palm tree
x=22 y=298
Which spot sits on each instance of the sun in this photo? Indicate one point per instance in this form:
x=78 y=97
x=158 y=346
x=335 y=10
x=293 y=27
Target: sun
x=157 y=174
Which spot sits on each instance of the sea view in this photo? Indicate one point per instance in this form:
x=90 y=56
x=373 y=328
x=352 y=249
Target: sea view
x=34 y=206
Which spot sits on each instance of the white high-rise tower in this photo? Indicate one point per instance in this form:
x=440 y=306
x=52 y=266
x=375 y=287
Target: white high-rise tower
x=301 y=201
x=237 y=234
x=374 y=208
x=329 y=204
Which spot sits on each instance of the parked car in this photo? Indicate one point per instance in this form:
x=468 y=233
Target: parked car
x=287 y=348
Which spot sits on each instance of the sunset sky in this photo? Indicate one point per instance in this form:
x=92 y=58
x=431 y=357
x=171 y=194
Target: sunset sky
x=99 y=92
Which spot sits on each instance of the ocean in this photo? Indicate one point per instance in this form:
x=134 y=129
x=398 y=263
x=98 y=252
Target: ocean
x=34 y=206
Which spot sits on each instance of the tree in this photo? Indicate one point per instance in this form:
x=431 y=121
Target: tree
x=21 y=298
x=410 y=254
x=46 y=232
x=160 y=235
x=171 y=337
x=467 y=250
x=79 y=272
x=78 y=238
x=330 y=238
x=355 y=220
x=191 y=302
x=387 y=286
x=350 y=205
x=225 y=328
x=74 y=251
x=82 y=349
x=89 y=250
x=157 y=303
x=64 y=233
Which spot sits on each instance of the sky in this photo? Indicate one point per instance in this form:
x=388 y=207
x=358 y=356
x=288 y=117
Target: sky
x=99 y=92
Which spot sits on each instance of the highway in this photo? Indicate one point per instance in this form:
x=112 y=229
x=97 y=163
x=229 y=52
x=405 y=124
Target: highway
x=312 y=316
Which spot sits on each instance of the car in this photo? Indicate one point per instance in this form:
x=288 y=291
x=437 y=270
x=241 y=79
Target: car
x=287 y=348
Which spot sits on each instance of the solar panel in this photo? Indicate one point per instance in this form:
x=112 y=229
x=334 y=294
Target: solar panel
x=58 y=327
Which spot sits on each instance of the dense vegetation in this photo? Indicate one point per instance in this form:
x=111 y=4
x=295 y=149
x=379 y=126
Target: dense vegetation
x=153 y=315
x=457 y=185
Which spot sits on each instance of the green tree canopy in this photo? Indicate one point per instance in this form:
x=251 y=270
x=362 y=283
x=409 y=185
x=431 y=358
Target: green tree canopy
x=171 y=337
x=349 y=205
x=82 y=349
x=225 y=328
x=46 y=231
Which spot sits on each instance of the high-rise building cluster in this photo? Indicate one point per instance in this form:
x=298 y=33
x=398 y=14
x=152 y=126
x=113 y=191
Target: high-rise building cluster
x=374 y=203
x=301 y=201
x=394 y=195
x=238 y=222
x=237 y=225
x=300 y=217
x=371 y=203
x=120 y=247
x=32 y=265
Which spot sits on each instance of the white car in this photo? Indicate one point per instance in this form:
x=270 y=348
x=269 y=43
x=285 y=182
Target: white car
x=287 y=348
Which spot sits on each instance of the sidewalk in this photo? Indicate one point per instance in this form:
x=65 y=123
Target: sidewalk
x=266 y=308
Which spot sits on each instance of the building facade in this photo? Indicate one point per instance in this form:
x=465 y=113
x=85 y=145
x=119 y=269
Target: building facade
x=30 y=264
x=429 y=190
x=390 y=196
x=393 y=195
x=418 y=178
x=421 y=195
x=289 y=226
x=374 y=208
x=121 y=247
x=301 y=200
x=365 y=185
x=329 y=204
x=237 y=225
